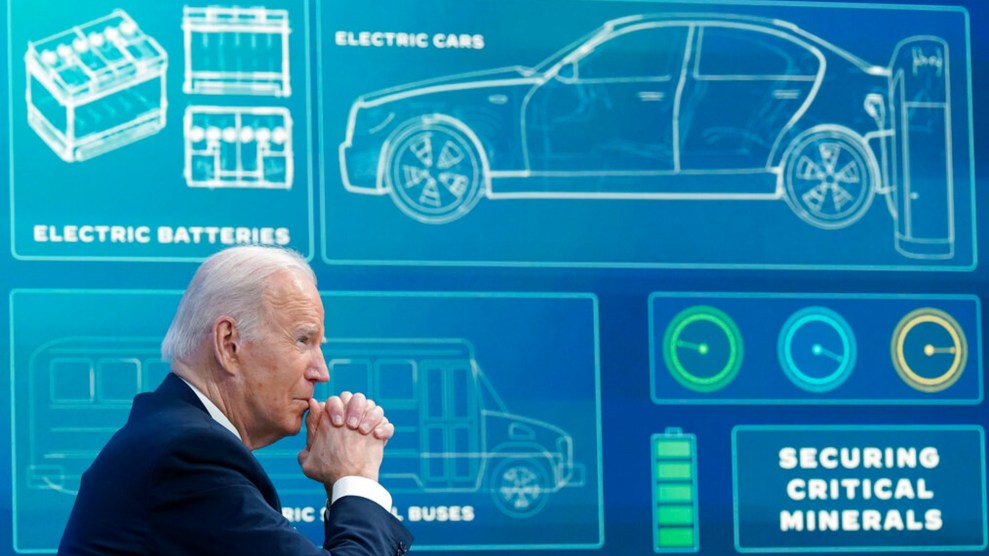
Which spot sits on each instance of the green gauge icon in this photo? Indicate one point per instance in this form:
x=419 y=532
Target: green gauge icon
x=702 y=348
x=929 y=349
x=817 y=349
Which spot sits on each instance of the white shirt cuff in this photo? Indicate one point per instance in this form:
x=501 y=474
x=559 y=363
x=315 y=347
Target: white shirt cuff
x=353 y=485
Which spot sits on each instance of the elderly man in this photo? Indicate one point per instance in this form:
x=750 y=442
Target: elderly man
x=180 y=478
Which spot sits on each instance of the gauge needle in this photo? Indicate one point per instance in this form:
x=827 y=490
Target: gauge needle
x=931 y=350
x=701 y=348
x=818 y=349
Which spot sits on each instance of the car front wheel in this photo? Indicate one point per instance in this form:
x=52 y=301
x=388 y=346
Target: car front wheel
x=434 y=172
x=828 y=179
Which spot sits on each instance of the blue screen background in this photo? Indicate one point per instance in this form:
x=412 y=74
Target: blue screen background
x=620 y=266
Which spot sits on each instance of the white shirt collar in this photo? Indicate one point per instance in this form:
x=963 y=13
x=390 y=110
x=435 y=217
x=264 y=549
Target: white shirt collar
x=214 y=411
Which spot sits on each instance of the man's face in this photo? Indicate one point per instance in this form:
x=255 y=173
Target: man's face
x=283 y=364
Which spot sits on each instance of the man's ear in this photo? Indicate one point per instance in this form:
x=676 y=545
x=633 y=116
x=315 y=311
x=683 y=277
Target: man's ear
x=227 y=344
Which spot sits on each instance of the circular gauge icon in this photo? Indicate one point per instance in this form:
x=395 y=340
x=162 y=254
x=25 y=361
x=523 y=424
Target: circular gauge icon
x=702 y=348
x=817 y=349
x=929 y=349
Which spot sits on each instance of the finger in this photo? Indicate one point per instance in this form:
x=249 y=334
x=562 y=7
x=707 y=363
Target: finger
x=372 y=418
x=384 y=431
x=335 y=408
x=312 y=421
x=324 y=419
x=355 y=410
x=345 y=396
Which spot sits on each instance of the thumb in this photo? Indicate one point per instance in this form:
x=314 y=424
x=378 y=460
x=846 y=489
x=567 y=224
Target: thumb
x=312 y=421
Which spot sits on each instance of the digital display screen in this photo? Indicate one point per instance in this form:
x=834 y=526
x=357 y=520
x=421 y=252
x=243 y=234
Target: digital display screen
x=629 y=277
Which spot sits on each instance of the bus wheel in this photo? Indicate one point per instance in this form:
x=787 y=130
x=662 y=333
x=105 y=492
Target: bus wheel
x=520 y=487
x=435 y=174
x=829 y=178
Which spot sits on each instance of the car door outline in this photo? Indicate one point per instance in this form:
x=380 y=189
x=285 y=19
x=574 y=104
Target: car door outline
x=593 y=118
x=767 y=100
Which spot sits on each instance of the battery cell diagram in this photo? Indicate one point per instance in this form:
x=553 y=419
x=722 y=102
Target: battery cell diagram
x=96 y=87
x=238 y=147
x=236 y=51
x=101 y=85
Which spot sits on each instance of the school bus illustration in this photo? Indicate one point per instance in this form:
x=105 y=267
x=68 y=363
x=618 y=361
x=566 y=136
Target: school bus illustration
x=454 y=434
x=81 y=391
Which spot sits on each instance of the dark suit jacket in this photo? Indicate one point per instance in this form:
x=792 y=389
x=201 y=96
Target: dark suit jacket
x=174 y=481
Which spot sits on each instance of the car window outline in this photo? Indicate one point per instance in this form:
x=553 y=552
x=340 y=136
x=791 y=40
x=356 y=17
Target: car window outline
x=699 y=75
x=588 y=50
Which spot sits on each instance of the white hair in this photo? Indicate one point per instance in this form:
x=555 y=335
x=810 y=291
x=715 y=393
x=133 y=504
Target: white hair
x=229 y=283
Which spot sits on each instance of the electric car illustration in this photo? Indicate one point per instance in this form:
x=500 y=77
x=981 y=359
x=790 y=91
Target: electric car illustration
x=685 y=106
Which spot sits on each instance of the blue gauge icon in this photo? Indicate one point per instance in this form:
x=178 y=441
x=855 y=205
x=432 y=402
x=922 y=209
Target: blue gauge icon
x=817 y=349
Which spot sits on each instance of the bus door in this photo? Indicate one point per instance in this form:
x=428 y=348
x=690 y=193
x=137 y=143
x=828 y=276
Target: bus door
x=451 y=429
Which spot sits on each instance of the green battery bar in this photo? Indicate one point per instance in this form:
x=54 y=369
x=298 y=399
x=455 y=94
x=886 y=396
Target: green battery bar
x=674 y=493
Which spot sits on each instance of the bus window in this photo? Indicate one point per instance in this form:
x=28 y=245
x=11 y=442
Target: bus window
x=155 y=371
x=118 y=380
x=396 y=383
x=434 y=393
x=72 y=380
x=350 y=375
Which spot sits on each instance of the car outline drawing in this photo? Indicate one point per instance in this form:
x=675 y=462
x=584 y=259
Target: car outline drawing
x=818 y=133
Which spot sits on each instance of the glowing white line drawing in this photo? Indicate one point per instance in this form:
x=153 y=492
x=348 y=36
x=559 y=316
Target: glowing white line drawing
x=920 y=88
x=236 y=51
x=80 y=393
x=238 y=147
x=637 y=110
x=96 y=87
x=454 y=434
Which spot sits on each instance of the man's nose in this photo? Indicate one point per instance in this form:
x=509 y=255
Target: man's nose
x=318 y=371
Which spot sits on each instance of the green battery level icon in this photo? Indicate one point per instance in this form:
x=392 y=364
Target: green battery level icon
x=674 y=494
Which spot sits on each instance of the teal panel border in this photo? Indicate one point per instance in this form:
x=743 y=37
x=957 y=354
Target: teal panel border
x=590 y=298
x=309 y=253
x=734 y=480
x=654 y=365
x=328 y=259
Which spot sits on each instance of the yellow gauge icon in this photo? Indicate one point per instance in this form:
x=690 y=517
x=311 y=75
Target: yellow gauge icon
x=929 y=349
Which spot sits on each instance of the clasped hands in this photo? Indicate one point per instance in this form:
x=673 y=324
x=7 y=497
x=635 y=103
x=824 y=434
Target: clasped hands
x=346 y=435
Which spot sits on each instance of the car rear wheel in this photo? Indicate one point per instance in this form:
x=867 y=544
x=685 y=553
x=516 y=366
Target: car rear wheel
x=829 y=179
x=434 y=172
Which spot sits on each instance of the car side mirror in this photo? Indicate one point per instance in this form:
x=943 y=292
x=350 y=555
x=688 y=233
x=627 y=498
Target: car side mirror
x=875 y=107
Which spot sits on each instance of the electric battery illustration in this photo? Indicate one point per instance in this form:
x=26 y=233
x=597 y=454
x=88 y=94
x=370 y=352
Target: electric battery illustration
x=246 y=147
x=96 y=87
x=674 y=493
x=231 y=50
